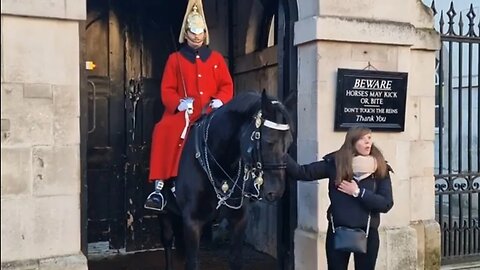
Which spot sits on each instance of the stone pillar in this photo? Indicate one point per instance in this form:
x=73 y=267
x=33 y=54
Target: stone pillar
x=393 y=36
x=40 y=134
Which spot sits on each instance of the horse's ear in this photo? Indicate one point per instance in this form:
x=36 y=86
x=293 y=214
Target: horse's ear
x=266 y=104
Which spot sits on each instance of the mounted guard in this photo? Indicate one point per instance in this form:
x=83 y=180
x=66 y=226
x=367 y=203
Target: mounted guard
x=194 y=78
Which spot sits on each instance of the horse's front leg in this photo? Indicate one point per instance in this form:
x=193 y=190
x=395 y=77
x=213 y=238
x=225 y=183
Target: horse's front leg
x=167 y=239
x=237 y=220
x=192 y=232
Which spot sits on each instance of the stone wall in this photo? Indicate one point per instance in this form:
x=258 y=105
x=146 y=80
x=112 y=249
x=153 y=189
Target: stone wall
x=393 y=36
x=40 y=134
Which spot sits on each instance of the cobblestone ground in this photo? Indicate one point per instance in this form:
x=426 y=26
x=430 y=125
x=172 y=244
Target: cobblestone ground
x=210 y=259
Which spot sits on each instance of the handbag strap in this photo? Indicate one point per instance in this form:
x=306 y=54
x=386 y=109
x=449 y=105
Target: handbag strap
x=369 y=213
x=368 y=224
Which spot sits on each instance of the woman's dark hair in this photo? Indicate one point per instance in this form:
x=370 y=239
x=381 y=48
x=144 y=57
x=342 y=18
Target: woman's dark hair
x=343 y=157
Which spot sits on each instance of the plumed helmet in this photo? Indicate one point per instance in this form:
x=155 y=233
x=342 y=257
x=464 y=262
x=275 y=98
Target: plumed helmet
x=194 y=20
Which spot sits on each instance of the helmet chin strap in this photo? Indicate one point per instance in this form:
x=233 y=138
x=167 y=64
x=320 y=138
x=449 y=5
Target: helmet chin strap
x=193 y=42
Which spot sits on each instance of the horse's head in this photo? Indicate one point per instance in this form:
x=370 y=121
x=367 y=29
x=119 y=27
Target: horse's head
x=265 y=149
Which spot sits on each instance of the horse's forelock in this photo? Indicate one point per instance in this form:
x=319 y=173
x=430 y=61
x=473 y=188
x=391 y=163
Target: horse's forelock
x=248 y=104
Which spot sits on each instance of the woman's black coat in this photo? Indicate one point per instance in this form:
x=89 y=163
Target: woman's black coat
x=375 y=194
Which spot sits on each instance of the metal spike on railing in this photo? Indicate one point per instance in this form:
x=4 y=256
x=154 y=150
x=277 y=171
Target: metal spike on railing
x=451 y=13
x=441 y=22
x=432 y=6
x=471 y=22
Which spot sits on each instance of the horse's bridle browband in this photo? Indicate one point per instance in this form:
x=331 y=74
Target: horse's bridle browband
x=253 y=165
x=256 y=159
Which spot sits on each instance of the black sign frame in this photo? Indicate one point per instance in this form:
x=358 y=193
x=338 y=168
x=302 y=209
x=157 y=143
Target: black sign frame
x=371 y=98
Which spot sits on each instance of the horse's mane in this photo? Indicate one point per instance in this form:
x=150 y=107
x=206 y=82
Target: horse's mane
x=245 y=103
x=249 y=102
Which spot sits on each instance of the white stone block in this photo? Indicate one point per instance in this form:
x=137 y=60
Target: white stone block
x=310 y=250
x=422 y=194
x=33 y=45
x=399 y=215
x=382 y=257
x=401 y=248
x=422 y=15
x=387 y=10
x=72 y=262
x=30 y=126
x=30 y=118
x=404 y=60
x=330 y=141
x=37 y=90
x=21 y=265
x=427 y=118
x=11 y=98
x=373 y=53
x=66 y=131
x=16 y=171
x=58 y=227
x=421 y=158
x=348 y=29
x=76 y=9
x=5 y=126
x=413 y=118
x=67 y=100
x=16 y=227
x=422 y=77
x=34 y=228
x=401 y=163
x=307 y=206
x=307 y=151
x=69 y=9
x=56 y=170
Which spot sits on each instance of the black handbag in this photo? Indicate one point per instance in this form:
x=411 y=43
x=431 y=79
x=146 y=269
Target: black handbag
x=350 y=239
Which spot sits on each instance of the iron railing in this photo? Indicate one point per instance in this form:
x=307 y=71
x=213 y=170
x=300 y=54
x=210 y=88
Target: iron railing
x=457 y=161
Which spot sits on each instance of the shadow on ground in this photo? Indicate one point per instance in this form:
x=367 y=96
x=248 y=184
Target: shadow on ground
x=210 y=259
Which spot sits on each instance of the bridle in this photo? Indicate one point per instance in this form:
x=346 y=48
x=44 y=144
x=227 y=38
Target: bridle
x=253 y=157
x=251 y=160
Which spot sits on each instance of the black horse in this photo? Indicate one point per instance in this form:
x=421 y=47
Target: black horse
x=233 y=153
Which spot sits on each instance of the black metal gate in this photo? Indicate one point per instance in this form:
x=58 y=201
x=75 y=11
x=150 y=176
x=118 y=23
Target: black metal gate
x=457 y=161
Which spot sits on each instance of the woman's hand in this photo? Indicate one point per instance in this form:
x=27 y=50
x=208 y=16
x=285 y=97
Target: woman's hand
x=349 y=187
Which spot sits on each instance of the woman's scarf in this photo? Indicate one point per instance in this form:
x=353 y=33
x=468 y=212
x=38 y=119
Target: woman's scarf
x=363 y=167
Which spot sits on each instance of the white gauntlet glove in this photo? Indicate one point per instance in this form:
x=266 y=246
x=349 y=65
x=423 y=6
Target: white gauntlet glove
x=216 y=103
x=186 y=104
x=182 y=106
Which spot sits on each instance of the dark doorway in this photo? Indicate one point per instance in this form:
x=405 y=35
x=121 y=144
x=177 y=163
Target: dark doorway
x=129 y=42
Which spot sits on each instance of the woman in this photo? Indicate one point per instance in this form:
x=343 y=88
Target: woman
x=359 y=186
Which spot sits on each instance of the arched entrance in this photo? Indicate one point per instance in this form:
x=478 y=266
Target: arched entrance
x=129 y=41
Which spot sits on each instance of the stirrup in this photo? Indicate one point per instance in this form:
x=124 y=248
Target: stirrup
x=155 y=201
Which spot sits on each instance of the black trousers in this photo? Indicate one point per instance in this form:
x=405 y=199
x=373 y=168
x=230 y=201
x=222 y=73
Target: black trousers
x=338 y=260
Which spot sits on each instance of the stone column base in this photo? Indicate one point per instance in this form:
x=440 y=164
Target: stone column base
x=398 y=249
x=429 y=245
x=70 y=262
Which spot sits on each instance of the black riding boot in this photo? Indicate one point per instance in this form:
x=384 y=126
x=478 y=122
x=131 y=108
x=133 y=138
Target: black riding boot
x=157 y=199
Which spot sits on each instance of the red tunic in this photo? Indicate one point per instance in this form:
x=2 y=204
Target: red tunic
x=206 y=77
